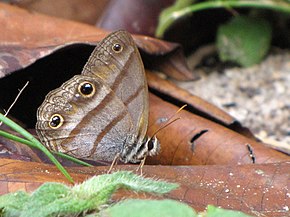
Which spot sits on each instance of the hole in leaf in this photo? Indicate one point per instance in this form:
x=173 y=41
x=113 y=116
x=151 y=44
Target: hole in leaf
x=196 y=136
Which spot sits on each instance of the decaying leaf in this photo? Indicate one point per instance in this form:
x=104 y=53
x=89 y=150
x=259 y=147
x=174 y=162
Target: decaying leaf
x=241 y=173
x=259 y=190
x=27 y=37
x=193 y=140
x=138 y=17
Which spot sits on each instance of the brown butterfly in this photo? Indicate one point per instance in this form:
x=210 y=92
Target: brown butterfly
x=104 y=111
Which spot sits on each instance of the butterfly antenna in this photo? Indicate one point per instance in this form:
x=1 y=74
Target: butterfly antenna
x=169 y=120
x=165 y=125
x=181 y=108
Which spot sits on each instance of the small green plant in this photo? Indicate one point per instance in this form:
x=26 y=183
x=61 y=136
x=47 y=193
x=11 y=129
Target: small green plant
x=243 y=40
x=55 y=199
x=183 y=8
x=93 y=198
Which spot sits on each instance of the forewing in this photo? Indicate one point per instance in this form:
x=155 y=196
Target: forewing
x=123 y=72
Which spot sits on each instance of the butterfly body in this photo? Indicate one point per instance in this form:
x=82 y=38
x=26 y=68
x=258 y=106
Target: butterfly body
x=104 y=111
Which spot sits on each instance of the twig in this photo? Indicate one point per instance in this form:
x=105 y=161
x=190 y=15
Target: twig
x=15 y=100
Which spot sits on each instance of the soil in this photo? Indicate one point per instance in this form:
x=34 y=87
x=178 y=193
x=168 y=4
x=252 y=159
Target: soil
x=258 y=96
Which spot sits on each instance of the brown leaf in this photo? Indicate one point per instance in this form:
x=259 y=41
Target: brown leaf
x=17 y=151
x=193 y=140
x=259 y=190
x=86 y=11
x=27 y=37
x=194 y=103
x=138 y=17
x=198 y=134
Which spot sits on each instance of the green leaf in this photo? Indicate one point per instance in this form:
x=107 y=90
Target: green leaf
x=148 y=208
x=217 y=212
x=244 y=40
x=13 y=203
x=55 y=199
x=102 y=187
x=178 y=11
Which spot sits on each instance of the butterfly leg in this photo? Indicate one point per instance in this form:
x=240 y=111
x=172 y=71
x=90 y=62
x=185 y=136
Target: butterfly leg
x=114 y=162
x=140 y=167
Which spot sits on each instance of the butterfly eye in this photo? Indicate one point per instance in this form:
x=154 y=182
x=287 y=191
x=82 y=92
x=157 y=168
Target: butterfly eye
x=117 y=48
x=86 y=89
x=150 y=145
x=55 y=121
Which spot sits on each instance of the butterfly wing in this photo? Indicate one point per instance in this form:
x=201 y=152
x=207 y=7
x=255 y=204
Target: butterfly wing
x=116 y=61
x=90 y=126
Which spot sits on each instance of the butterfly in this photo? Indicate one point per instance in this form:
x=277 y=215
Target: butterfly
x=103 y=112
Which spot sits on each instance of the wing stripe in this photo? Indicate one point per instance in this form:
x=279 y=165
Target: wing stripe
x=107 y=129
x=134 y=96
x=122 y=74
x=108 y=98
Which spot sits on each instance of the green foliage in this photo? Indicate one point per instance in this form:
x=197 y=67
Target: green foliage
x=91 y=198
x=218 y=212
x=55 y=199
x=244 y=40
x=13 y=203
x=168 y=208
x=182 y=9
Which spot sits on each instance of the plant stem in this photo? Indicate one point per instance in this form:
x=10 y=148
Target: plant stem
x=167 y=20
x=35 y=144
x=32 y=145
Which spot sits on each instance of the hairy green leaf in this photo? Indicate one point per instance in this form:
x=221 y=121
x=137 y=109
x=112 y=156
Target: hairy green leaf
x=213 y=211
x=55 y=199
x=148 y=208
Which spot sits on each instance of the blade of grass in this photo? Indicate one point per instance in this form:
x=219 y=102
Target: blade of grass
x=168 y=18
x=68 y=157
x=17 y=139
x=36 y=143
x=32 y=145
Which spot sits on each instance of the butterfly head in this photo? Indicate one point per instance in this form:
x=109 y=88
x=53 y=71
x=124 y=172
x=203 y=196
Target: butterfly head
x=153 y=146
